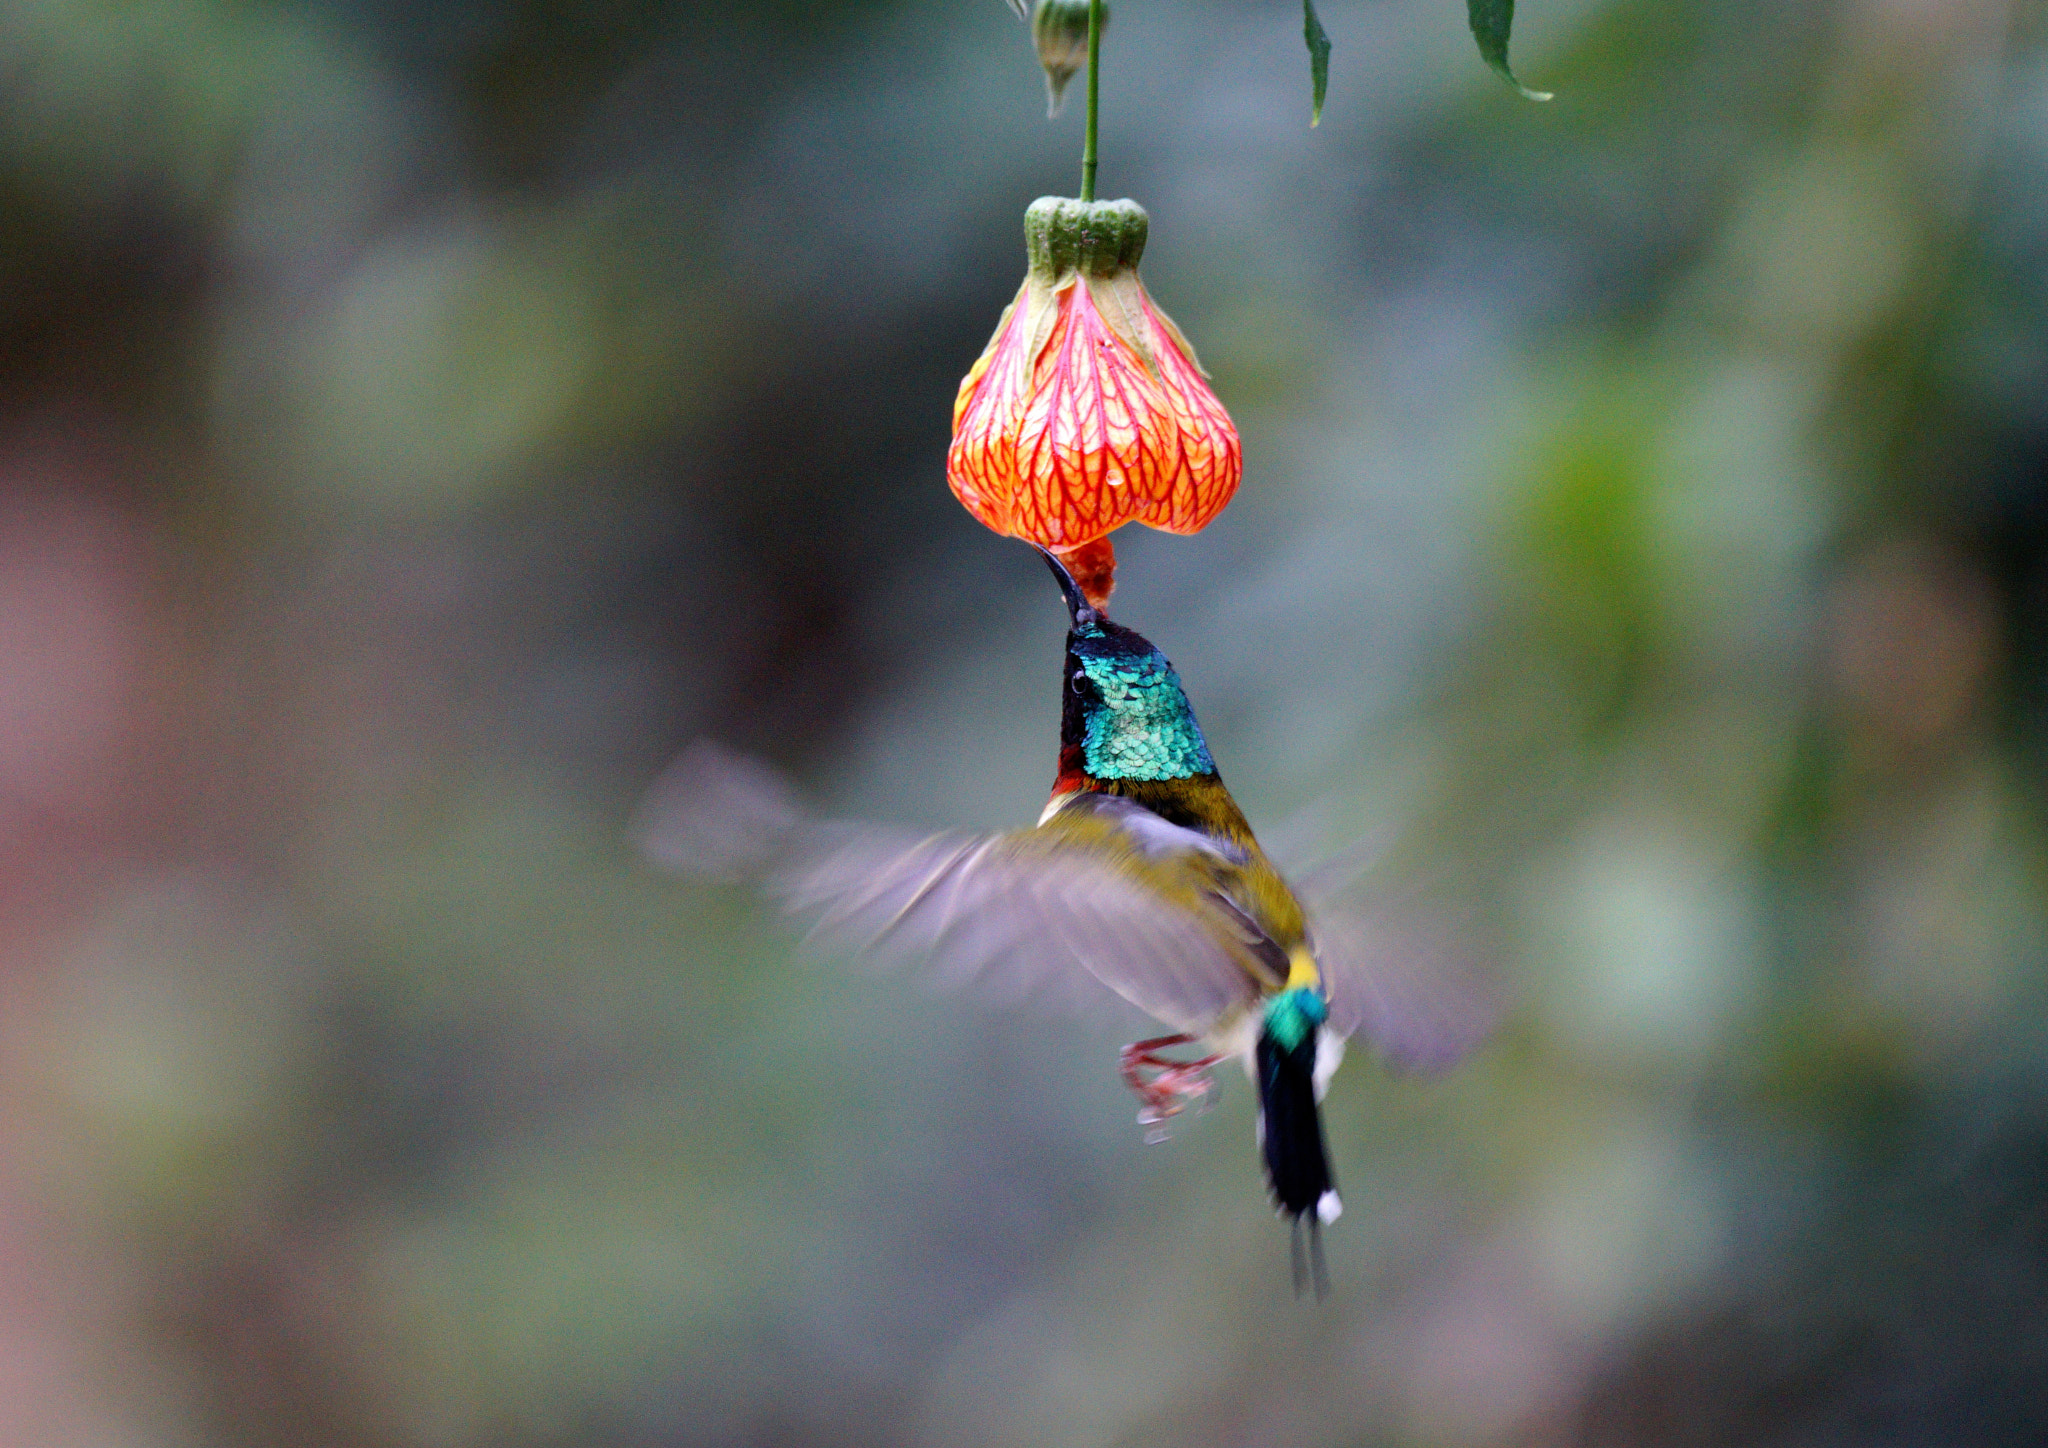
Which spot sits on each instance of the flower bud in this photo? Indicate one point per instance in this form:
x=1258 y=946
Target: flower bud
x=1088 y=409
x=1060 y=30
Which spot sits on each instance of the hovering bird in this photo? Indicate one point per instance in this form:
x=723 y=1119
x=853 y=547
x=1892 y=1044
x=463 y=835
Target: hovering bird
x=1142 y=875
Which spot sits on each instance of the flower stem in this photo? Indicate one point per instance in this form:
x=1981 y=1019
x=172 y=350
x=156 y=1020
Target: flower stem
x=1094 y=93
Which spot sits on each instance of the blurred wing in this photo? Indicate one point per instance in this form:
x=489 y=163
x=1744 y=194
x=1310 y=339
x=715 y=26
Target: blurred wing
x=716 y=814
x=1331 y=874
x=1406 y=988
x=1015 y=913
x=1296 y=847
x=1090 y=899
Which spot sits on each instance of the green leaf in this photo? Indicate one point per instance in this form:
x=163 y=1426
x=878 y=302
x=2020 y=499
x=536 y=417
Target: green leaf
x=1491 y=22
x=1318 y=57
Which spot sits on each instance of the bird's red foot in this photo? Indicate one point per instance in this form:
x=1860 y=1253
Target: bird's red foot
x=1172 y=1088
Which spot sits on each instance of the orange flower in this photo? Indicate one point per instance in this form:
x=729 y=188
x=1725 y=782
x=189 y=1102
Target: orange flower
x=1088 y=410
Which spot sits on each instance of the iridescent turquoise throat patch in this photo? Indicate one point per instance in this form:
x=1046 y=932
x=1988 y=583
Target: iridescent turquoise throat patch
x=1292 y=1014
x=1145 y=728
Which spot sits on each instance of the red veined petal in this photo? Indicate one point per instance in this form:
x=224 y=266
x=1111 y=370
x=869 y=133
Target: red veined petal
x=981 y=463
x=1212 y=458
x=1075 y=421
x=1098 y=440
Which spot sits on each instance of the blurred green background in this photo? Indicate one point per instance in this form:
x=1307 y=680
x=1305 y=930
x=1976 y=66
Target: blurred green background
x=418 y=421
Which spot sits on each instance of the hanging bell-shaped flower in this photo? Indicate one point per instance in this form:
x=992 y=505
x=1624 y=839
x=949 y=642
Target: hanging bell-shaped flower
x=1088 y=410
x=1059 y=28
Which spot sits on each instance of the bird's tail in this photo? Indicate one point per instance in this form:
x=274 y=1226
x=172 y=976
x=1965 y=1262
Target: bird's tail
x=1291 y=1140
x=715 y=814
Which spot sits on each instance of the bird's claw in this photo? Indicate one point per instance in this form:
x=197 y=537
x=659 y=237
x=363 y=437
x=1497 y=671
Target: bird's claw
x=1173 y=1093
x=1171 y=1089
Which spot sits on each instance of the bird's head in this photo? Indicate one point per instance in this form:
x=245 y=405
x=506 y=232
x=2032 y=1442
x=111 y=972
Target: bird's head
x=1124 y=713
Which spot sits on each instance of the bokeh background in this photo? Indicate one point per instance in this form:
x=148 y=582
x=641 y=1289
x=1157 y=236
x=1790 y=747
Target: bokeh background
x=418 y=421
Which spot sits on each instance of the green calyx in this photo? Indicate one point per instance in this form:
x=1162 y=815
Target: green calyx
x=1096 y=238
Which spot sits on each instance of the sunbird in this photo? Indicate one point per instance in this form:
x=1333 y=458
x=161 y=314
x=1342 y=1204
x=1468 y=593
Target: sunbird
x=1141 y=874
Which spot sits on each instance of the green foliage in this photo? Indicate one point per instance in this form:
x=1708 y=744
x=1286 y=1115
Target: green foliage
x=1318 y=58
x=1491 y=22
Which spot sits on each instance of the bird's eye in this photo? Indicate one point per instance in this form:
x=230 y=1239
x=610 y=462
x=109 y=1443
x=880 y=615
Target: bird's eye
x=1080 y=677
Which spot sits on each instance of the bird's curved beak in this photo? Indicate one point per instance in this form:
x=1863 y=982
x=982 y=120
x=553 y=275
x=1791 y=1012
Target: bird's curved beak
x=1077 y=602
